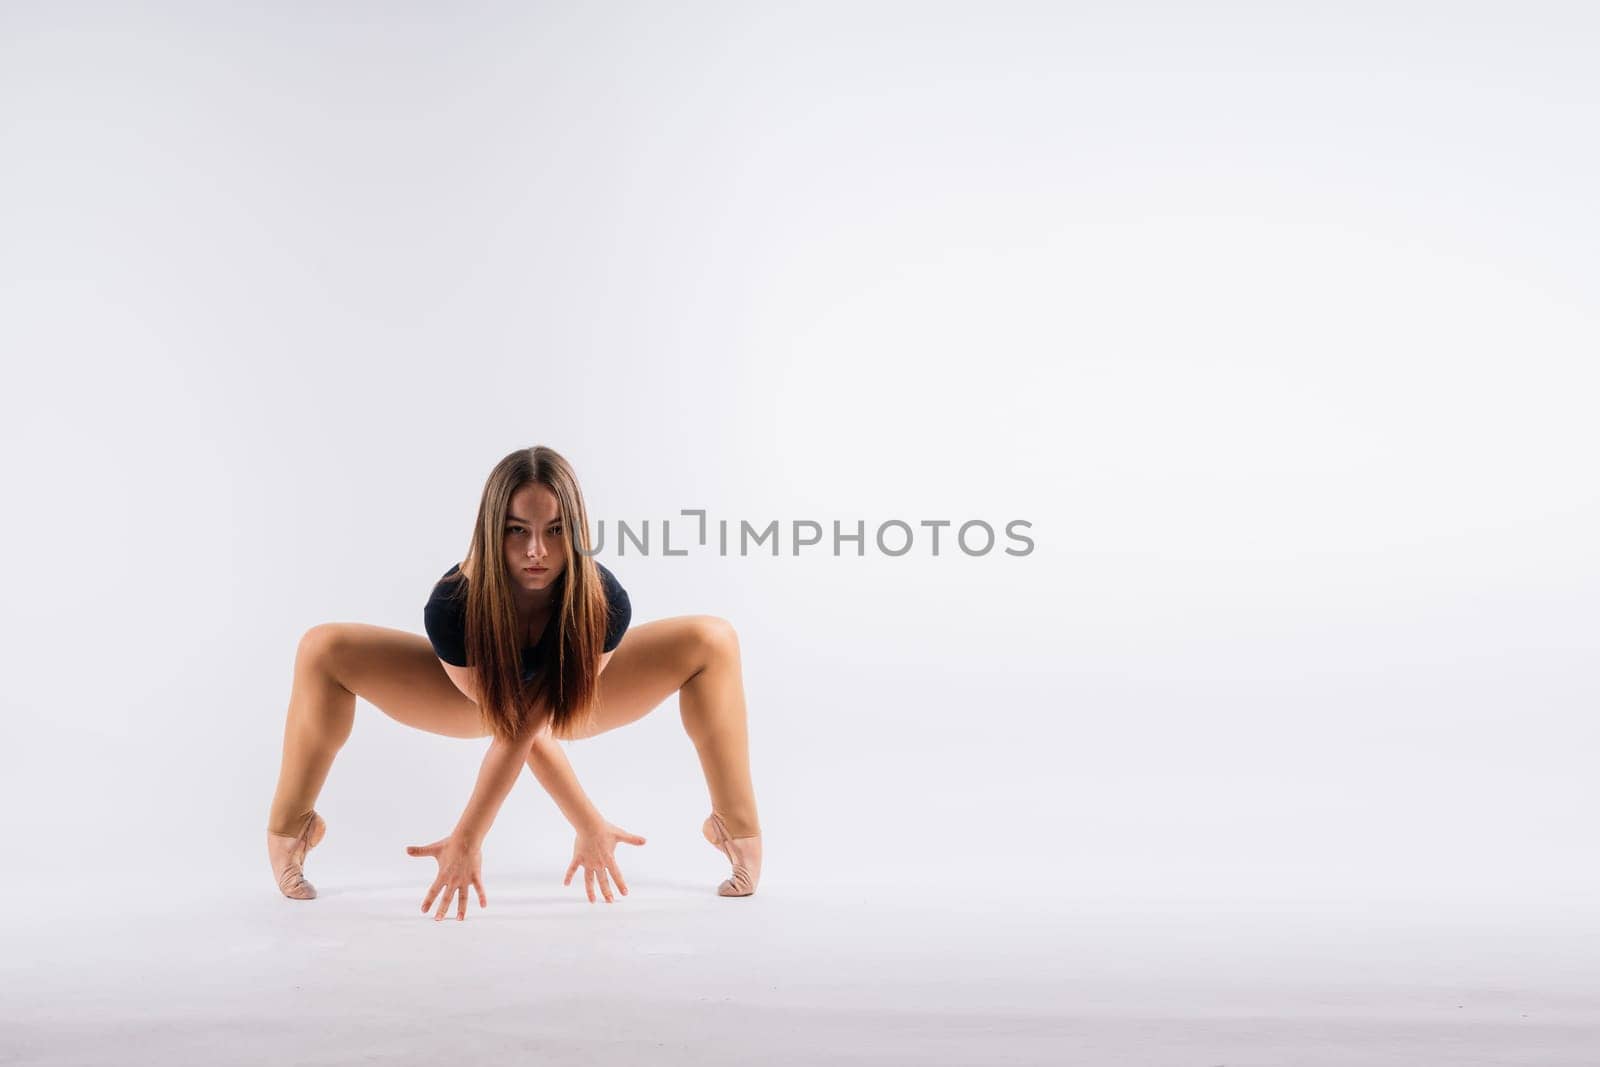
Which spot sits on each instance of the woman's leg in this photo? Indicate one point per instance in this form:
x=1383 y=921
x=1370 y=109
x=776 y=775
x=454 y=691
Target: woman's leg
x=398 y=673
x=697 y=657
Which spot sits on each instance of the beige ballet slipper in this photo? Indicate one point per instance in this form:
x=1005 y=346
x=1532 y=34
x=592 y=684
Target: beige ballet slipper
x=746 y=858
x=291 y=880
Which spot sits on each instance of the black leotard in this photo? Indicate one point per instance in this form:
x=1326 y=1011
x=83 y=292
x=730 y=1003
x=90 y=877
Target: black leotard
x=445 y=619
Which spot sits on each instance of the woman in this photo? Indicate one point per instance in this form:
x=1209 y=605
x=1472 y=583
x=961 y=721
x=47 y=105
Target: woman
x=528 y=643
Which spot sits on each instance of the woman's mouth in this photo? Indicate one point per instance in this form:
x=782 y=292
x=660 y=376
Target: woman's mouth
x=534 y=570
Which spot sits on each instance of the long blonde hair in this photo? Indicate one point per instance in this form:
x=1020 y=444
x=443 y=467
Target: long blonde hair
x=564 y=685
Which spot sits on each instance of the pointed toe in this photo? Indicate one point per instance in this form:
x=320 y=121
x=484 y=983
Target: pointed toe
x=291 y=879
x=744 y=853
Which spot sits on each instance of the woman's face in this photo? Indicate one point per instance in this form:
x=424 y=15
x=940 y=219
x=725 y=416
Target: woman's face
x=535 y=538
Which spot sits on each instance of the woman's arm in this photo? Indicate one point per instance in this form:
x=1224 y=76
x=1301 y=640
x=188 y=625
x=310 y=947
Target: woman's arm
x=548 y=761
x=460 y=856
x=549 y=764
x=498 y=773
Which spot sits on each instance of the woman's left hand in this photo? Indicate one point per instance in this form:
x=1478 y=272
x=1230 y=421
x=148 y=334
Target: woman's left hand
x=460 y=871
x=593 y=852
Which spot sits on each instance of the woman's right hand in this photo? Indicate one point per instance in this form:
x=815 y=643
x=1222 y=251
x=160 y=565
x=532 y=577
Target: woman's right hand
x=460 y=870
x=595 y=851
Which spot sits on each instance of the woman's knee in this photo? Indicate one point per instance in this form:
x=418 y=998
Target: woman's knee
x=715 y=637
x=321 y=644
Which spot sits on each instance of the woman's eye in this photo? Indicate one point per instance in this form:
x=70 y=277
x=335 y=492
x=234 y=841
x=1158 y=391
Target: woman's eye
x=555 y=531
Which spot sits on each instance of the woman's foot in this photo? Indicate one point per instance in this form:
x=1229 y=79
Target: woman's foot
x=286 y=852
x=743 y=852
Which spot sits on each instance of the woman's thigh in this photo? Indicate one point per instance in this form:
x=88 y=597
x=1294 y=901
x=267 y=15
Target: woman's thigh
x=397 y=673
x=653 y=661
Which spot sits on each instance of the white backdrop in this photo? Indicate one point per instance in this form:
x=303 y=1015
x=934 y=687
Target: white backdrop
x=1279 y=328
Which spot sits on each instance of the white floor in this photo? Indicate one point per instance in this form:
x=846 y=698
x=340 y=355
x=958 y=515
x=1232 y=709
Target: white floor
x=675 y=975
